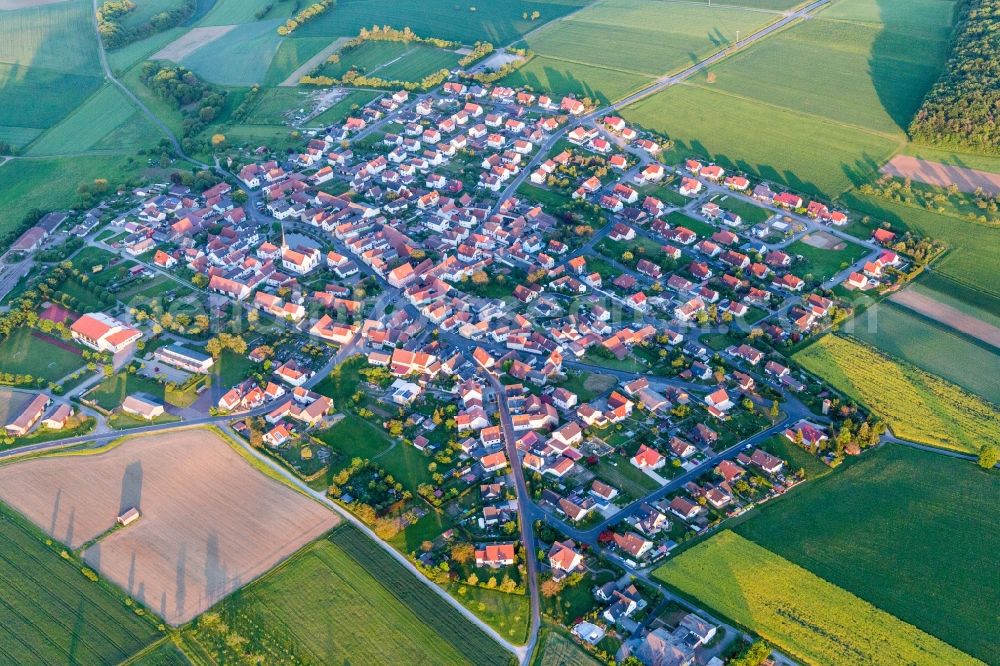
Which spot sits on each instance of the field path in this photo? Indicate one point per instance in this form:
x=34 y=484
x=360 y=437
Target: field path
x=942 y=175
x=308 y=65
x=109 y=75
x=949 y=316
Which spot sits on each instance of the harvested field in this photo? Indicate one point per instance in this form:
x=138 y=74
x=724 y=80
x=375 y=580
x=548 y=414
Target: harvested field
x=942 y=175
x=949 y=316
x=200 y=504
x=190 y=42
x=824 y=241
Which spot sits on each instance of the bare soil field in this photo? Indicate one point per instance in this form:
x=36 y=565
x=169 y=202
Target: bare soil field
x=210 y=523
x=942 y=175
x=824 y=241
x=949 y=316
x=190 y=42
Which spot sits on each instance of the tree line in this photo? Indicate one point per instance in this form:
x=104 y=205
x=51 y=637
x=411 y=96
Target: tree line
x=962 y=110
x=115 y=34
x=199 y=102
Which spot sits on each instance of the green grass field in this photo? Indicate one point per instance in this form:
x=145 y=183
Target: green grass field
x=353 y=437
x=509 y=614
x=751 y=214
x=293 y=52
x=121 y=59
x=272 y=104
x=644 y=40
x=382 y=614
x=48 y=63
x=29 y=352
x=51 y=613
x=165 y=653
x=365 y=57
x=230 y=369
x=877 y=58
x=99 y=116
x=970 y=301
x=224 y=61
x=385 y=615
x=918 y=406
x=973 y=256
x=823 y=263
x=229 y=12
x=982 y=162
x=799 y=612
x=497 y=22
x=418 y=62
x=930 y=346
x=797 y=457
x=890 y=528
x=584 y=80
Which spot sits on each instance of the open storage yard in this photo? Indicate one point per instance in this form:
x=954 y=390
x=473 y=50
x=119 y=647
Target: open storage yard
x=909 y=531
x=796 y=610
x=210 y=522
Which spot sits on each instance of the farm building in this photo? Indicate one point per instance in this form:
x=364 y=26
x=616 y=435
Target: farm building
x=28 y=416
x=146 y=409
x=128 y=517
x=183 y=358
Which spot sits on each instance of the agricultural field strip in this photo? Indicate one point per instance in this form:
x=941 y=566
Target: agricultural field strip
x=948 y=316
x=26 y=549
x=797 y=610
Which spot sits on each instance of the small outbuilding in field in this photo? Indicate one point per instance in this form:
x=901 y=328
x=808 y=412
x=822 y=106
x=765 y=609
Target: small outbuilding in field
x=128 y=517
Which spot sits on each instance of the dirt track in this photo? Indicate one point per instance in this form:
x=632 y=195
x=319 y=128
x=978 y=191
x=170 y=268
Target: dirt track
x=293 y=79
x=210 y=523
x=190 y=42
x=948 y=316
x=942 y=175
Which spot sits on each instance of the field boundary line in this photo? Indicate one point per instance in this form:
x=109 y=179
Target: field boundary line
x=292 y=80
x=651 y=76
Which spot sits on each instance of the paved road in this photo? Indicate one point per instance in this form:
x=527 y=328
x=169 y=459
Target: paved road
x=524 y=512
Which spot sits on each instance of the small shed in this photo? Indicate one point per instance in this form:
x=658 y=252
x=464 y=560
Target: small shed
x=128 y=517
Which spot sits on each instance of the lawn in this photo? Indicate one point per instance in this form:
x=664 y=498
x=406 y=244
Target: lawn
x=822 y=263
x=580 y=79
x=700 y=227
x=336 y=113
x=799 y=612
x=624 y=476
x=642 y=40
x=383 y=615
x=353 y=437
x=751 y=213
x=509 y=614
x=930 y=346
x=917 y=406
x=889 y=528
x=29 y=352
x=556 y=649
x=53 y=614
x=587 y=385
x=293 y=52
x=112 y=390
x=408 y=465
x=797 y=457
x=231 y=368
